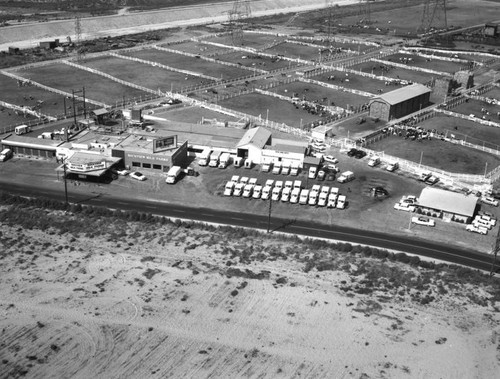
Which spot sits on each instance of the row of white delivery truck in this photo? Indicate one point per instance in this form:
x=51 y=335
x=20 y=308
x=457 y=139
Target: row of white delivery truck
x=288 y=191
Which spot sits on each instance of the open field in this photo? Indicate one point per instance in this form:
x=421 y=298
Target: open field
x=256 y=61
x=104 y=297
x=199 y=48
x=352 y=128
x=432 y=64
x=280 y=111
x=358 y=82
x=252 y=40
x=10 y=118
x=295 y=50
x=192 y=115
x=314 y=92
x=53 y=104
x=394 y=72
x=406 y=20
x=67 y=78
x=439 y=154
x=493 y=93
x=475 y=107
x=182 y=62
x=467 y=130
x=144 y=75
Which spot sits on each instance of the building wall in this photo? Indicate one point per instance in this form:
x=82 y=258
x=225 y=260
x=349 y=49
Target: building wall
x=380 y=110
x=447 y=216
x=34 y=152
x=152 y=161
x=282 y=157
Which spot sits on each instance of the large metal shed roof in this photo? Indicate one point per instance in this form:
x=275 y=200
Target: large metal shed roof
x=448 y=201
x=402 y=94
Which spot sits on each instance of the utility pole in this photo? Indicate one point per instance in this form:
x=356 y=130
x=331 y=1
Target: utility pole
x=434 y=11
x=65 y=182
x=241 y=9
x=269 y=217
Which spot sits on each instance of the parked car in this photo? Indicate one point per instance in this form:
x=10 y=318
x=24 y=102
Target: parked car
x=276 y=194
x=374 y=161
x=392 y=166
x=352 y=152
x=285 y=170
x=304 y=196
x=121 y=172
x=321 y=175
x=266 y=167
x=341 y=202
x=404 y=207
x=331 y=159
x=244 y=179
x=360 y=154
x=332 y=200
x=294 y=197
x=312 y=172
x=276 y=169
x=247 y=190
x=489 y=200
x=423 y=221
x=138 y=175
x=285 y=195
x=476 y=229
x=266 y=192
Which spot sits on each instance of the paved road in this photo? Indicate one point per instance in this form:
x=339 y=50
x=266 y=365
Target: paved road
x=430 y=249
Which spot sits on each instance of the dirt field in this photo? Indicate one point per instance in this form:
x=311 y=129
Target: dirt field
x=192 y=115
x=314 y=92
x=94 y=298
x=469 y=131
x=396 y=73
x=436 y=153
x=358 y=82
x=67 y=78
x=256 y=61
x=191 y=64
x=280 y=111
x=432 y=64
x=476 y=107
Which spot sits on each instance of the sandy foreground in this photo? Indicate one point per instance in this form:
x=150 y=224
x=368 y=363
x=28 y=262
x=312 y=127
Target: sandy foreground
x=138 y=300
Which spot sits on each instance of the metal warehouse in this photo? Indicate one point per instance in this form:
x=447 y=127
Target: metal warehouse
x=451 y=206
x=151 y=152
x=400 y=103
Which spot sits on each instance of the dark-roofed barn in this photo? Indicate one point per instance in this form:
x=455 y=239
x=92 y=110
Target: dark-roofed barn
x=400 y=103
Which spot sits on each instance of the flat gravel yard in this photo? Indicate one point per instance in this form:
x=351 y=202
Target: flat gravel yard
x=183 y=62
x=68 y=78
x=439 y=154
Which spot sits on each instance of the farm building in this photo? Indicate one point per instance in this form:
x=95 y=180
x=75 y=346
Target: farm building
x=492 y=30
x=252 y=144
x=283 y=154
x=30 y=146
x=400 y=102
x=151 y=152
x=48 y=45
x=450 y=206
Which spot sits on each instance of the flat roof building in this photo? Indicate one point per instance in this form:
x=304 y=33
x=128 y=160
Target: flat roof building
x=451 y=206
x=30 y=146
x=400 y=102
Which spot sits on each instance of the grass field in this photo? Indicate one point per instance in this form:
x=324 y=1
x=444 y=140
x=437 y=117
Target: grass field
x=67 y=78
x=53 y=104
x=279 y=110
x=469 y=131
x=144 y=75
x=357 y=82
x=179 y=61
x=396 y=73
x=9 y=118
x=474 y=107
x=434 y=64
x=439 y=154
x=255 y=61
x=314 y=92
x=493 y=93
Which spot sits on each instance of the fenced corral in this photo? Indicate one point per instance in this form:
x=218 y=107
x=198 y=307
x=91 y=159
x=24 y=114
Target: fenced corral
x=412 y=68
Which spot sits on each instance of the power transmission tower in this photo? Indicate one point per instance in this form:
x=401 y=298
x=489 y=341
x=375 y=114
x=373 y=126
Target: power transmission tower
x=365 y=11
x=80 y=54
x=241 y=10
x=433 y=16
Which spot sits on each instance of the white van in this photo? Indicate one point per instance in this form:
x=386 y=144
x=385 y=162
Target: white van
x=248 y=163
x=238 y=162
x=374 y=161
x=345 y=177
x=22 y=129
x=5 y=154
x=224 y=160
x=173 y=174
x=214 y=159
x=205 y=157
